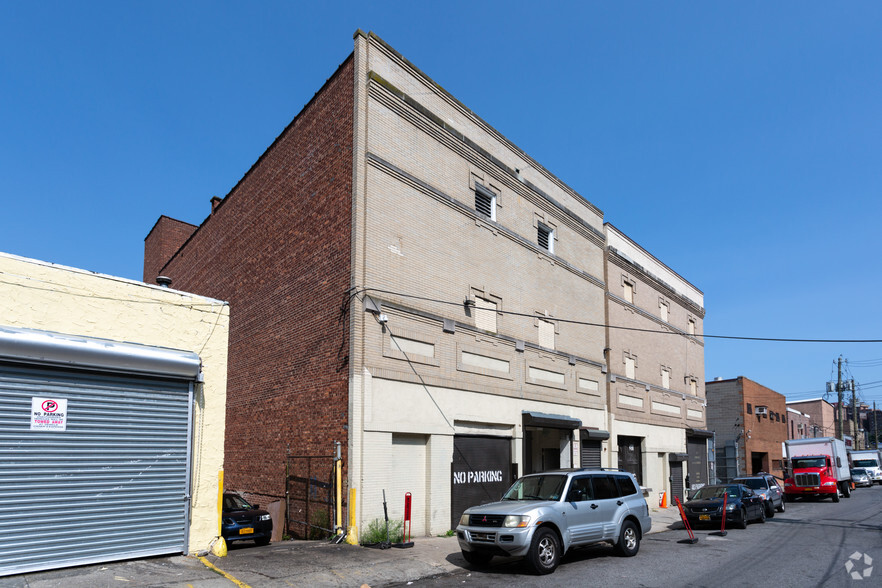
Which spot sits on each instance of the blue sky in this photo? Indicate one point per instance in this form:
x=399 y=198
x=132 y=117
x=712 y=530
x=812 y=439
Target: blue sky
x=740 y=143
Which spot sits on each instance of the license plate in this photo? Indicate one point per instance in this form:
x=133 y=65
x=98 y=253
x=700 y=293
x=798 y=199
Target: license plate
x=246 y=531
x=703 y=517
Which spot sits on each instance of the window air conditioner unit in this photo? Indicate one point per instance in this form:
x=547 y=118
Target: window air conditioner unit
x=760 y=410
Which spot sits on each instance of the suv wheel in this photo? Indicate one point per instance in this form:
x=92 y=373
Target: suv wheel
x=781 y=508
x=544 y=554
x=629 y=540
x=477 y=558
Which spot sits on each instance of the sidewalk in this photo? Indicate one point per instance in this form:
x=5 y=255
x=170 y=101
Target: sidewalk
x=287 y=563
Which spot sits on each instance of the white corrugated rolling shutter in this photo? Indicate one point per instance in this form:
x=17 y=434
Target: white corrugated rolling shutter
x=113 y=484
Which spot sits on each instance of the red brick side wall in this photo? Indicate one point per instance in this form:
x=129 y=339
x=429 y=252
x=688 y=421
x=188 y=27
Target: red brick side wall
x=162 y=242
x=278 y=249
x=767 y=432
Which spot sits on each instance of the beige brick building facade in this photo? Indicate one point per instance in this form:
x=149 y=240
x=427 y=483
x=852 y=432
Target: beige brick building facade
x=473 y=328
x=656 y=369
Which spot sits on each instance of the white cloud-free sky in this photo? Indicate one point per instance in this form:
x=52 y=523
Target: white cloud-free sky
x=740 y=143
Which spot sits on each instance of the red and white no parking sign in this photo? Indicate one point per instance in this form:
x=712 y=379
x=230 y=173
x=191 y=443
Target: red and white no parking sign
x=48 y=414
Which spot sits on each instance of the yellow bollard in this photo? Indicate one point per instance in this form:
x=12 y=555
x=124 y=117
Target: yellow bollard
x=352 y=531
x=219 y=547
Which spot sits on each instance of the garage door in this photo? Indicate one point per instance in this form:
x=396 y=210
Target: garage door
x=93 y=466
x=481 y=472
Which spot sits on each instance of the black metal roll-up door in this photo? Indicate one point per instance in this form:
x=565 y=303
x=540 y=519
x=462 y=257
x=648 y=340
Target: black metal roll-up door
x=591 y=453
x=481 y=472
x=107 y=480
x=677 y=480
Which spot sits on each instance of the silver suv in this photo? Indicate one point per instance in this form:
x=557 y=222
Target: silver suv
x=543 y=515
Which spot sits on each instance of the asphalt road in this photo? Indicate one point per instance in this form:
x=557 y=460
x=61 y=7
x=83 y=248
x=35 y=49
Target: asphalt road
x=811 y=544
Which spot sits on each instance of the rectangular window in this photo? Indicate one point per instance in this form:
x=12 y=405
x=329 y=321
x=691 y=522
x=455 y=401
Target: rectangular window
x=690 y=327
x=663 y=311
x=485 y=315
x=666 y=379
x=693 y=387
x=628 y=292
x=485 y=202
x=630 y=368
x=546 y=334
x=545 y=237
x=749 y=408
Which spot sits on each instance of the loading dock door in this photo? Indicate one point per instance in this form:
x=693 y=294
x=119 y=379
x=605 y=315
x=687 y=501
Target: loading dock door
x=112 y=483
x=481 y=471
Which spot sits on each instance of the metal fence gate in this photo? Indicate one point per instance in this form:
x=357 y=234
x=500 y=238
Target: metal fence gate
x=309 y=491
x=110 y=479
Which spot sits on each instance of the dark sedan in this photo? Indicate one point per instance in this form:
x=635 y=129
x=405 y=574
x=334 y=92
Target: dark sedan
x=245 y=521
x=742 y=506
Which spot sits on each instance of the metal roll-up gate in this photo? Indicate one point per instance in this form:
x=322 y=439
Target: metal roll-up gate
x=94 y=465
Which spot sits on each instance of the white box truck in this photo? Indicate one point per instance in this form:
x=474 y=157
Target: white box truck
x=817 y=467
x=870 y=460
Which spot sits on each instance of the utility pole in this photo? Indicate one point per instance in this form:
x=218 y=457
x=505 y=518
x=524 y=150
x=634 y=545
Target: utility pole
x=875 y=430
x=854 y=416
x=840 y=431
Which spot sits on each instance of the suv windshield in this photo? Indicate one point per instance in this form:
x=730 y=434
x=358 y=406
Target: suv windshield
x=753 y=483
x=545 y=487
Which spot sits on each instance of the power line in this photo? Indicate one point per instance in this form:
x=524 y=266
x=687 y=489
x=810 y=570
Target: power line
x=633 y=329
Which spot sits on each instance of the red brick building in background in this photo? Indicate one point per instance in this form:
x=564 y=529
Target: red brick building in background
x=750 y=422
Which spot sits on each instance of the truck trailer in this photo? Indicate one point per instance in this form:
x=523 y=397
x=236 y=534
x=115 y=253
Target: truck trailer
x=817 y=467
x=870 y=460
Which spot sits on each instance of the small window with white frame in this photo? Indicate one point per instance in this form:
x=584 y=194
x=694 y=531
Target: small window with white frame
x=485 y=201
x=545 y=237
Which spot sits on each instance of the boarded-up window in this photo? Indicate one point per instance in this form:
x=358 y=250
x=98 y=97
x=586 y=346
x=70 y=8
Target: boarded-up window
x=628 y=292
x=546 y=334
x=663 y=312
x=690 y=327
x=630 y=367
x=485 y=315
x=666 y=378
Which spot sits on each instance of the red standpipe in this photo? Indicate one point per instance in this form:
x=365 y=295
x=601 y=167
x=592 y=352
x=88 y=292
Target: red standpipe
x=407 y=523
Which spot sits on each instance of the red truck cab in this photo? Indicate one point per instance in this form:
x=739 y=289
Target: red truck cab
x=812 y=475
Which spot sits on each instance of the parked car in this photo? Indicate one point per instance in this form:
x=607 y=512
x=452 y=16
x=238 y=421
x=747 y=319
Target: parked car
x=241 y=520
x=766 y=486
x=543 y=515
x=742 y=506
x=861 y=477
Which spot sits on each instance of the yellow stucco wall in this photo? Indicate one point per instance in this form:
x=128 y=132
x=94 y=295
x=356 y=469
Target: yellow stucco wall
x=44 y=296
